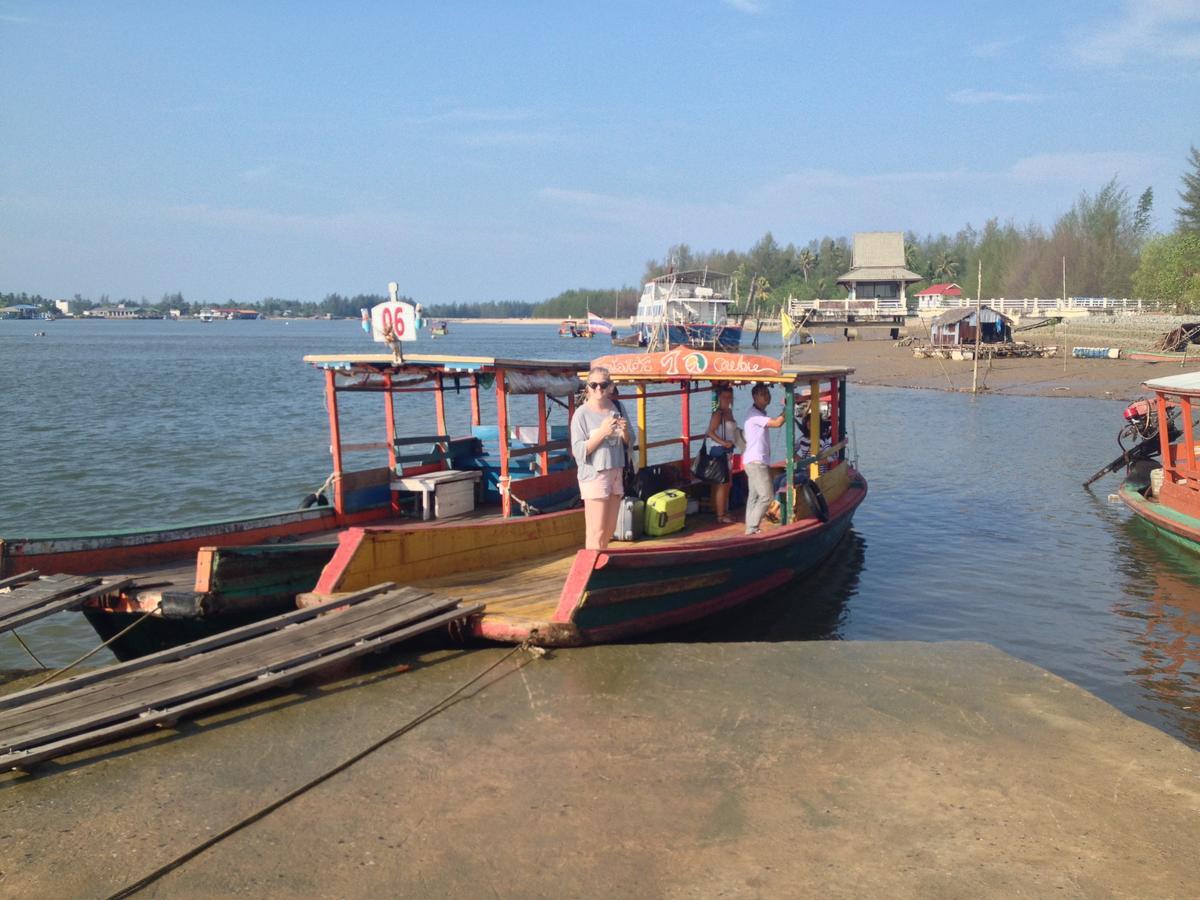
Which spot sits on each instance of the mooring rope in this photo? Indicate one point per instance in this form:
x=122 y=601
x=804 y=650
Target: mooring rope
x=441 y=706
x=124 y=631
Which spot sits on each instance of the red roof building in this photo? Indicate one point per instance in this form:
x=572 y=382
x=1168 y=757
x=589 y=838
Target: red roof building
x=938 y=296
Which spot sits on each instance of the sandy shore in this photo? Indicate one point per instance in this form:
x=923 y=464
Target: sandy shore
x=882 y=363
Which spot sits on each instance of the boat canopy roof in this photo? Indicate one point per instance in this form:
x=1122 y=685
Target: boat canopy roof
x=1187 y=383
x=686 y=364
x=423 y=363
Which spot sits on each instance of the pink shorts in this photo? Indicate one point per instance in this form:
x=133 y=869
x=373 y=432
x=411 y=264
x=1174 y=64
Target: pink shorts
x=607 y=483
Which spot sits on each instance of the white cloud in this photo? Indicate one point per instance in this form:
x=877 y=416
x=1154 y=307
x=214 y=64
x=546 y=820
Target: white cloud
x=750 y=7
x=972 y=97
x=1093 y=167
x=1155 y=28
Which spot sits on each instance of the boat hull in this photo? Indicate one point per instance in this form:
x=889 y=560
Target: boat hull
x=622 y=593
x=1171 y=524
x=726 y=338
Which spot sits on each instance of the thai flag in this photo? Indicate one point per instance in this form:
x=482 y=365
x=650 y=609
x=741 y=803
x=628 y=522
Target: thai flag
x=598 y=325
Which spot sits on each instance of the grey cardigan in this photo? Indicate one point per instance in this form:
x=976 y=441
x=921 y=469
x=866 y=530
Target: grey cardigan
x=609 y=455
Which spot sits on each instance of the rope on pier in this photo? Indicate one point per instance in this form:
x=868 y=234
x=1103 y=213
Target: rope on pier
x=124 y=631
x=441 y=706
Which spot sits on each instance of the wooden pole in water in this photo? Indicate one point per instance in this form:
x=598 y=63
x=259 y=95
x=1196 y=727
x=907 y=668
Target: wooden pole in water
x=978 y=327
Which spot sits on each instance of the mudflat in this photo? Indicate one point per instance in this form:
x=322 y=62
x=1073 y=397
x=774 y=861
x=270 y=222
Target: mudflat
x=836 y=769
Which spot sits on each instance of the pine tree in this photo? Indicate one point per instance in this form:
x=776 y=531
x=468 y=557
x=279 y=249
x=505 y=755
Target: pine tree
x=1189 y=213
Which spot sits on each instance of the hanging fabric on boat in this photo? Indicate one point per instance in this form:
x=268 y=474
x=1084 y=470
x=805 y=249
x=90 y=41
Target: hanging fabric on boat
x=537 y=382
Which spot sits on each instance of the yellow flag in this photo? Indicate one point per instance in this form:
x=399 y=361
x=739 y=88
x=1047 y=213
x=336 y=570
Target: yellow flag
x=786 y=324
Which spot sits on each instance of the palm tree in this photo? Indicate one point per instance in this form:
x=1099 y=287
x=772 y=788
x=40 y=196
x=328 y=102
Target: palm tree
x=807 y=261
x=945 y=266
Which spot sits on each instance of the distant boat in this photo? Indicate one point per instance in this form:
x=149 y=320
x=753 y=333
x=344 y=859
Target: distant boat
x=441 y=329
x=597 y=325
x=207 y=315
x=687 y=309
x=574 y=328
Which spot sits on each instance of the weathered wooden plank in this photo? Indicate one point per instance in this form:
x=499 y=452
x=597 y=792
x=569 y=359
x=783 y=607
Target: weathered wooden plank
x=28 y=758
x=52 y=600
x=202 y=674
x=231 y=636
x=14 y=580
x=188 y=675
x=131 y=685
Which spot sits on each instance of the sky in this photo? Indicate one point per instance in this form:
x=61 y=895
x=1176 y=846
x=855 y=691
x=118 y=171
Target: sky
x=492 y=150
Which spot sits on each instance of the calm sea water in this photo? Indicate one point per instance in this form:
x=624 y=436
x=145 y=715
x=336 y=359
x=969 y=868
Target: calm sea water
x=975 y=527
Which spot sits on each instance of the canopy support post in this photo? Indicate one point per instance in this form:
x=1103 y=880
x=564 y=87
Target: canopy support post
x=335 y=441
x=789 y=430
x=641 y=426
x=476 y=419
x=439 y=404
x=502 y=427
x=835 y=416
x=544 y=456
x=685 y=404
x=814 y=427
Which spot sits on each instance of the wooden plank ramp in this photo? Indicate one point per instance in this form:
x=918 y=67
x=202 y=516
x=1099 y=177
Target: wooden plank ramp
x=53 y=719
x=28 y=597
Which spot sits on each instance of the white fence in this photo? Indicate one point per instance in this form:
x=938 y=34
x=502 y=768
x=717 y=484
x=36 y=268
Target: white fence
x=1035 y=305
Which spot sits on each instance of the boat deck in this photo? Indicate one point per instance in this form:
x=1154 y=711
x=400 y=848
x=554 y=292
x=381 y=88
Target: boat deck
x=530 y=588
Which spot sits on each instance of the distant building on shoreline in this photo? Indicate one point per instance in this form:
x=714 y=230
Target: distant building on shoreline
x=877 y=268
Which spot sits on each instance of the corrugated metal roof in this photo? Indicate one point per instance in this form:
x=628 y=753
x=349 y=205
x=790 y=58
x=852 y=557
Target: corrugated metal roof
x=950 y=316
x=878 y=248
x=880 y=273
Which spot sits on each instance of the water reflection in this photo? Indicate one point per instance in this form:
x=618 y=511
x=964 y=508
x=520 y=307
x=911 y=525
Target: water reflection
x=1161 y=607
x=810 y=608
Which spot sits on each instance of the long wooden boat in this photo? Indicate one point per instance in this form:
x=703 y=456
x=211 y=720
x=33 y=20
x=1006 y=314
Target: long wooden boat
x=537 y=584
x=490 y=516
x=1171 y=506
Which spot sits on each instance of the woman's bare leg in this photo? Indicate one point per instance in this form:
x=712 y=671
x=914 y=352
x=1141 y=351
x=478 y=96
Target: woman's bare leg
x=594 y=514
x=612 y=510
x=720 y=494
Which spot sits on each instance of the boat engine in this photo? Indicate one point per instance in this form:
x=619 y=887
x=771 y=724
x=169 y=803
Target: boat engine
x=1138 y=440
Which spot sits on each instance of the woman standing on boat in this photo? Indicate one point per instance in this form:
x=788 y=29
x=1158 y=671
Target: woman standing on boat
x=722 y=432
x=600 y=438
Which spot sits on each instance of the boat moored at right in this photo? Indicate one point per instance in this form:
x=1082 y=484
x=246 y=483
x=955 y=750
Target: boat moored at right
x=1167 y=498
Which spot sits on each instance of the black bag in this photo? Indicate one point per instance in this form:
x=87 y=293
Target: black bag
x=652 y=480
x=711 y=468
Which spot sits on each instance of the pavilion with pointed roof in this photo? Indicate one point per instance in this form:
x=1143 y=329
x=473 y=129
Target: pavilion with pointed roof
x=877 y=270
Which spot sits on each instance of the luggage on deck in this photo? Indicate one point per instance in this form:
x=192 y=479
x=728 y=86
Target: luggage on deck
x=631 y=519
x=666 y=512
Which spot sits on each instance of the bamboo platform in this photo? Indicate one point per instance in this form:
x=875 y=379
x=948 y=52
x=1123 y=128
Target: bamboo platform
x=50 y=720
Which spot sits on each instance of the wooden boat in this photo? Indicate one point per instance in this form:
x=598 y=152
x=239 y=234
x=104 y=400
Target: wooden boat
x=200 y=578
x=574 y=328
x=518 y=550
x=440 y=329
x=537 y=584
x=1171 y=506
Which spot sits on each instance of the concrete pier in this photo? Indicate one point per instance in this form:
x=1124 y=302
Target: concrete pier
x=671 y=770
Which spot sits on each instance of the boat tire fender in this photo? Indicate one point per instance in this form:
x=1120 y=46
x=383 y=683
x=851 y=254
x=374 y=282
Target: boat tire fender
x=316 y=499
x=816 y=500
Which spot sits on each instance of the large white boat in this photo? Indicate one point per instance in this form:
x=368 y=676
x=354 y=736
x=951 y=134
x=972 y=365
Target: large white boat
x=688 y=309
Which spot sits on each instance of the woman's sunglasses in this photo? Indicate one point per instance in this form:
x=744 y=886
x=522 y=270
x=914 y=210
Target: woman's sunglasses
x=599 y=385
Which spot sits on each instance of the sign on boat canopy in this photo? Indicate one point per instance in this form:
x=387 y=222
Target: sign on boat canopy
x=683 y=362
x=394 y=320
